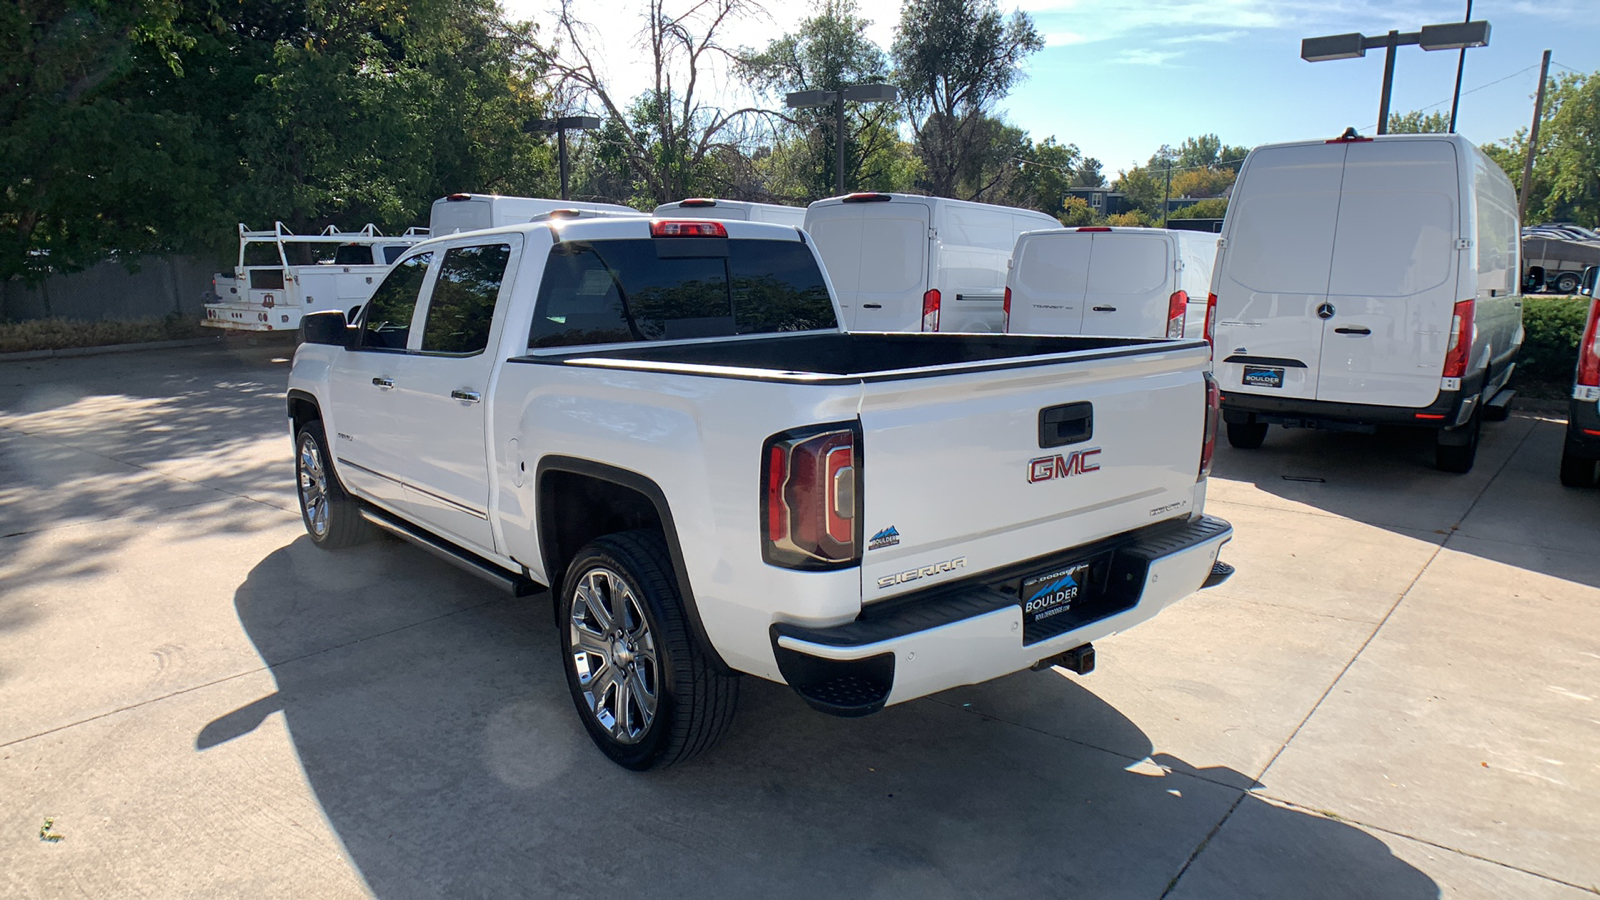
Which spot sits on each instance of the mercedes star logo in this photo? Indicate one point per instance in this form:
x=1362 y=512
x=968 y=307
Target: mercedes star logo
x=1325 y=311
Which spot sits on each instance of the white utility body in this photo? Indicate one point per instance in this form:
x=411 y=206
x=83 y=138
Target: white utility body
x=1368 y=281
x=662 y=420
x=733 y=211
x=1149 y=282
x=282 y=275
x=904 y=262
x=472 y=212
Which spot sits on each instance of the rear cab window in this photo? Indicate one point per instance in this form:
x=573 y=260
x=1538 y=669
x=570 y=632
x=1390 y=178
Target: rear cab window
x=651 y=289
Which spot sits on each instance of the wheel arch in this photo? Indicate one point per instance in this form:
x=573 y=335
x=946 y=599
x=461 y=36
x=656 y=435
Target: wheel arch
x=577 y=500
x=303 y=408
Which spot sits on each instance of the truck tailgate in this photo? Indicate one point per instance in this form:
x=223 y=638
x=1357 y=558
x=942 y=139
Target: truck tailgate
x=967 y=472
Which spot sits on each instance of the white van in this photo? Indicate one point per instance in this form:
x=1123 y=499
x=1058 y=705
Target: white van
x=734 y=210
x=903 y=262
x=1100 y=280
x=1364 y=281
x=470 y=212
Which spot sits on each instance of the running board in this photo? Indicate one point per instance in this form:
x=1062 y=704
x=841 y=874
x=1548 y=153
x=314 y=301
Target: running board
x=512 y=583
x=1498 y=409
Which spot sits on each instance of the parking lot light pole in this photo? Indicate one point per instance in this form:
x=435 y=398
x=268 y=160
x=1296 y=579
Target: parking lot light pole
x=1450 y=36
x=856 y=93
x=560 y=126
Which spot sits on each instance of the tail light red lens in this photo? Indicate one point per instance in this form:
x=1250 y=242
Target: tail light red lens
x=1211 y=322
x=810 y=500
x=697 y=202
x=1460 y=350
x=1208 y=445
x=1589 y=349
x=930 y=310
x=867 y=197
x=1005 y=309
x=689 y=228
x=1094 y=228
x=1177 y=306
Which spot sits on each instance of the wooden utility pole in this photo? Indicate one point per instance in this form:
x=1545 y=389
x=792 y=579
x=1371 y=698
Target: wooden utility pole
x=1533 y=140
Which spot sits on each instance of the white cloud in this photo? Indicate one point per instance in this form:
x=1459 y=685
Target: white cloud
x=1063 y=38
x=1204 y=37
x=1142 y=57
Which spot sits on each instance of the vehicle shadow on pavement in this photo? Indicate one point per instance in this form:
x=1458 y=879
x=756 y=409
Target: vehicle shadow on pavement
x=448 y=759
x=1510 y=508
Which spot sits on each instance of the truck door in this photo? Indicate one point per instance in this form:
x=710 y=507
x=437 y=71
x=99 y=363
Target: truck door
x=1274 y=269
x=370 y=447
x=1392 y=291
x=442 y=392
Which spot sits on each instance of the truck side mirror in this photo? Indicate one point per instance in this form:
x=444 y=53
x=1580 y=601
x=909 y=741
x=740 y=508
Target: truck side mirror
x=1535 y=277
x=326 y=327
x=1586 y=286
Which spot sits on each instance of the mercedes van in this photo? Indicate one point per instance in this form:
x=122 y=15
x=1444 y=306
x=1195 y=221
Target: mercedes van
x=1368 y=281
x=733 y=211
x=471 y=212
x=1103 y=280
x=904 y=262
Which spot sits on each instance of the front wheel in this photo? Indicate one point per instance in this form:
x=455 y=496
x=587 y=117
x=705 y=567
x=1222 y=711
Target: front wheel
x=331 y=516
x=646 y=691
x=1578 y=471
x=1246 y=435
x=1567 y=284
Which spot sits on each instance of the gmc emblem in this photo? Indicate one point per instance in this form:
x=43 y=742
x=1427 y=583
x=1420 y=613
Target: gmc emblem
x=1077 y=462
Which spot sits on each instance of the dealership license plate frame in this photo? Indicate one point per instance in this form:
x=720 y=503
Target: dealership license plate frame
x=1262 y=376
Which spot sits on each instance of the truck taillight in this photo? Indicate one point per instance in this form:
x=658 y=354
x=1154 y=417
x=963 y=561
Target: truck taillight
x=810 y=498
x=1589 y=349
x=1460 y=350
x=1177 y=305
x=1005 y=309
x=690 y=228
x=930 y=310
x=1211 y=322
x=1208 y=445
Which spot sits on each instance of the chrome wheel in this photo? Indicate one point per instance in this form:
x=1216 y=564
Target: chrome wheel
x=313 y=486
x=614 y=655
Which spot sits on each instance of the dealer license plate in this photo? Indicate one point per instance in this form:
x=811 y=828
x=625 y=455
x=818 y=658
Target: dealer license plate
x=1053 y=593
x=1263 y=376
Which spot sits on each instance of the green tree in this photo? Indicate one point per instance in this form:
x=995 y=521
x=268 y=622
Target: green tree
x=1049 y=169
x=1209 y=208
x=1076 y=213
x=955 y=59
x=1566 y=170
x=1415 y=122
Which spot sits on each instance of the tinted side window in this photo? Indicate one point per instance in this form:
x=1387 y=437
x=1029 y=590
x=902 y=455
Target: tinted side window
x=387 y=320
x=624 y=290
x=463 y=301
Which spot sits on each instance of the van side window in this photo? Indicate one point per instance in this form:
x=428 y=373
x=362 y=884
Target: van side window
x=462 y=305
x=386 y=320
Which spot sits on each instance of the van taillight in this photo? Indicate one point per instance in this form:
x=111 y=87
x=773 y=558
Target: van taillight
x=1208 y=441
x=1005 y=309
x=1455 y=358
x=457 y=198
x=697 y=202
x=1177 y=306
x=1094 y=228
x=810 y=498
x=1589 y=349
x=1211 y=322
x=930 y=310
x=866 y=197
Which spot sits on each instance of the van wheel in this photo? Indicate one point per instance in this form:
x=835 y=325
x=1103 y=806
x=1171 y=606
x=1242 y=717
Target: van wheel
x=1454 y=457
x=331 y=516
x=1246 y=435
x=1567 y=284
x=1578 y=471
x=647 y=693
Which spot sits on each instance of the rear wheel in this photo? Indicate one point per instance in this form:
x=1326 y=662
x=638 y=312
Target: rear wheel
x=1246 y=435
x=331 y=516
x=647 y=693
x=1578 y=471
x=1456 y=449
x=1567 y=283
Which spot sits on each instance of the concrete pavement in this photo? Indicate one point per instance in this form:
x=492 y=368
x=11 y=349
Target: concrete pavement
x=1395 y=697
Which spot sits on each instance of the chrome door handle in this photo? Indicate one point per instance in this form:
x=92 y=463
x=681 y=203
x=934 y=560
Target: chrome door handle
x=469 y=396
x=383 y=382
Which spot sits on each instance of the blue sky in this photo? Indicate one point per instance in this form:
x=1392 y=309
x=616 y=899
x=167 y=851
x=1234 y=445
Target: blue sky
x=1121 y=77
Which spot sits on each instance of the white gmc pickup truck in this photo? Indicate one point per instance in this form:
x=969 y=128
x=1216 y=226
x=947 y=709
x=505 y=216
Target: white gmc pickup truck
x=663 y=421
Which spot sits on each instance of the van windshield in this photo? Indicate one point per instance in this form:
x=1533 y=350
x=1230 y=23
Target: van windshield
x=641 y=290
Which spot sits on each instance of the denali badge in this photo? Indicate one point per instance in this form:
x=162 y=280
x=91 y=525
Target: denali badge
x=959 y=562
x=1077 y=462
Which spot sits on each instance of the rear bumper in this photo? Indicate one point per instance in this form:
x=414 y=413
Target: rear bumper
x=944 y=638
x=248 y=317
x=1448 y=408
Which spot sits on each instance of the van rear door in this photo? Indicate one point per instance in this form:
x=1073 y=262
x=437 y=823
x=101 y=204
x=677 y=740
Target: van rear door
x=1131 y=278
x=876 y=254
x=1048 y=279
x=1392 y=290
x=1274 y=270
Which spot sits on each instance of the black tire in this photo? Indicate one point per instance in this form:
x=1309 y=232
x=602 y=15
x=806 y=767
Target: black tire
x=1458 y=458
x=1246 y=435
x=338 y=523
x=1566 y=283
x=1578 y=471
x=694 y=699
